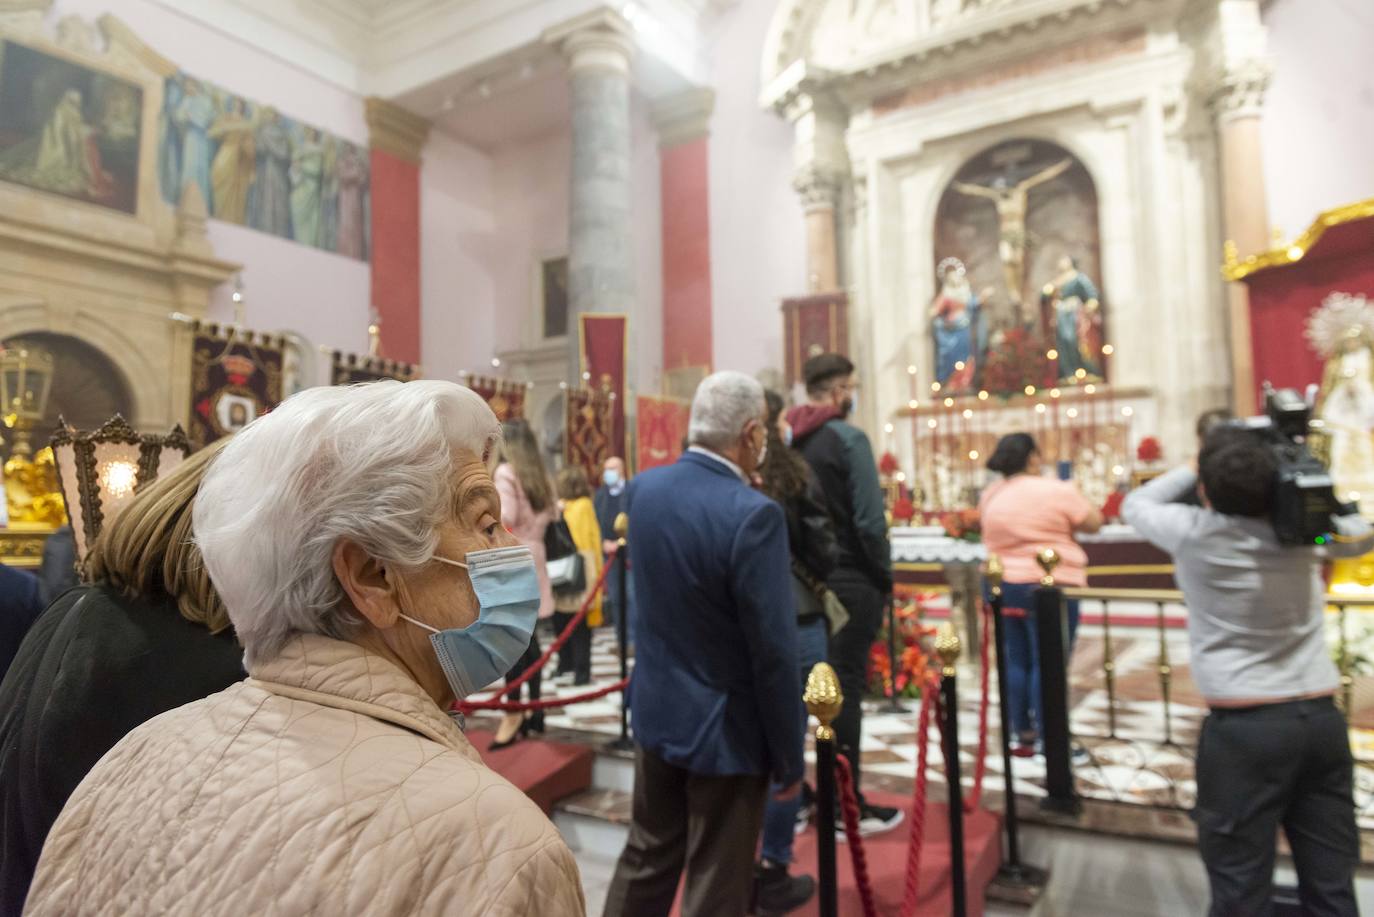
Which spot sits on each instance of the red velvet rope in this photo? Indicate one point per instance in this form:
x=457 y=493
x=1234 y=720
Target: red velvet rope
x=849 y=807
x=918 y=807
x=555 y=646
x=980 y=768
x=545 y=704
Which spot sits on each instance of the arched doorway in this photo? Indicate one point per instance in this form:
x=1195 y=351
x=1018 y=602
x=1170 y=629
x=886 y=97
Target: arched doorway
x=87 y=388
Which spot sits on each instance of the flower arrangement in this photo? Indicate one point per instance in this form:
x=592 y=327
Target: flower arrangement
x=1149 y=450
x=912 y=659
x=887 y=465
x=1111 y=509
x=904 y=510
x=1017 y=361
x=962 y=524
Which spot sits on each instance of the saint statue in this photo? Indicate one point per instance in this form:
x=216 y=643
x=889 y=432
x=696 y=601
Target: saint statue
x=1342 y=331
x=269 y=203
x=1010 y=201
x=307 y=179
x=960 y=327
x=1071 y=312
x=231 y=172
x=194 y=116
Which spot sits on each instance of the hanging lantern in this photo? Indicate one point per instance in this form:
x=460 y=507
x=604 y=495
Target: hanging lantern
x=100 y=472
x=25 y=381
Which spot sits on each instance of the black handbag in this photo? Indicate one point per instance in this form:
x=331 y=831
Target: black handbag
x=558 y=540
x=566 y=569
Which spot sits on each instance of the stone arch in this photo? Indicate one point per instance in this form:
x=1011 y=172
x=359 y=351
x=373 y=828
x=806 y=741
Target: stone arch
x=788 y=36
x=87 y=387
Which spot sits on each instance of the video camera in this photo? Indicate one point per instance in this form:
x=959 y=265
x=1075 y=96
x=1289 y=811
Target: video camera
x=1304 y=493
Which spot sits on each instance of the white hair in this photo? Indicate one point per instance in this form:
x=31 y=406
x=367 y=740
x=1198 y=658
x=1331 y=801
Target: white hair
x=369 y=463
x=724 y=403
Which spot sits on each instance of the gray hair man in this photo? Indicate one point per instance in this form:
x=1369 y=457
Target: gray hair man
x=716 y=695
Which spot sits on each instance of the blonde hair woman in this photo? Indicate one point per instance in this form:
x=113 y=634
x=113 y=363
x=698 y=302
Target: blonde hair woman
x=146 y=634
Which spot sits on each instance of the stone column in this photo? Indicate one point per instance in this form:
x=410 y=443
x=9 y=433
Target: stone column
x=397 y=137
x=821 y=164
x=600 y=248
x=683 y=123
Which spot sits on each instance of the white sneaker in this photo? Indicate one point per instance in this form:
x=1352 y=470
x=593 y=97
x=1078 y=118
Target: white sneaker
x=565 y=680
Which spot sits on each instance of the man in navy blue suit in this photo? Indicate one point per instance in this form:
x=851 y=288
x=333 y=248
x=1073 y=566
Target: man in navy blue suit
x=716 y=694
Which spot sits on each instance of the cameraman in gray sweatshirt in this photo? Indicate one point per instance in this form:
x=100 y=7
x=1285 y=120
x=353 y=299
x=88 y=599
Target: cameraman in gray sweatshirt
x=1274 y=751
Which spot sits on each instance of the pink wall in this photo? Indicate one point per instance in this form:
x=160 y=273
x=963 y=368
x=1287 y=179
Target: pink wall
x=289 y=287
x=758 y=244
x=1319 y=113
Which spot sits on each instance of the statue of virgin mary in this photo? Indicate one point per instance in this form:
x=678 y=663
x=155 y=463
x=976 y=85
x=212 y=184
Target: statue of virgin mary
x=1342 y=332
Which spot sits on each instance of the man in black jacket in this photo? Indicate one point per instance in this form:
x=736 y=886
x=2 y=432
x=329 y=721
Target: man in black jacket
x=840 y=455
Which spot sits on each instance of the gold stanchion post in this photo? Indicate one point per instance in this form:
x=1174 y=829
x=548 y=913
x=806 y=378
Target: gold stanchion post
x=823 y=699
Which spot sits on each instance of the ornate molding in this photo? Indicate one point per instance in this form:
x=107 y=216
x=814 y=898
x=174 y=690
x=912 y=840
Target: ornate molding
x=1235 y=268
x=683 y=117
x=1239 y=92
x=818 y=188
x=599 y=40
x=394 y=130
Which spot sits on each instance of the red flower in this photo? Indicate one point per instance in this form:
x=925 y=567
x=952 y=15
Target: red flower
x=1149 y=450
x=1112 y=508
x=887 y=465
x=903 y=510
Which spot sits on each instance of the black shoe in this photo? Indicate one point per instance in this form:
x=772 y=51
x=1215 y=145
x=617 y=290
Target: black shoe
x=775 y=892
x=535 y=722
x=872 y=820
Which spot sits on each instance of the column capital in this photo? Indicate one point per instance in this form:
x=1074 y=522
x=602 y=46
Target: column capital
x=818 y=188
x=394 y=130
x=599 y=40
x=1238 y=92
x=683 y=116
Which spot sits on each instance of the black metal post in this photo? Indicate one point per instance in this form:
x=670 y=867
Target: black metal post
x=622 y=630
x=949 y=696
x=825 y=824
x=892 y=705
x=1013 y=874
x=1052 y=634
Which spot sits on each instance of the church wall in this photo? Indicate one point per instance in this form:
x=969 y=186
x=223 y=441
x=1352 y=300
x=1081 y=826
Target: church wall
x=758 y=244
x=287 y=286
x=1319 y=113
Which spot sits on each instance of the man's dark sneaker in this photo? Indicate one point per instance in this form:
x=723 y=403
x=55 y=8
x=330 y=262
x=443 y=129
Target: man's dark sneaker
x=776 y=893
x=872 y=820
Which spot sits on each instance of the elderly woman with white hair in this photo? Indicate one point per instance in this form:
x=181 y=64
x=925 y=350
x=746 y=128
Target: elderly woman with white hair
x=354 y=536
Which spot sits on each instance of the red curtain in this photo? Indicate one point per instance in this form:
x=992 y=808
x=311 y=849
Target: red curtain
x=603 y=366
x=662 y=426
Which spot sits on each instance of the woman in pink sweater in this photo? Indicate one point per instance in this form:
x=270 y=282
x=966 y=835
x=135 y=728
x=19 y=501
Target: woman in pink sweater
x=527 y=507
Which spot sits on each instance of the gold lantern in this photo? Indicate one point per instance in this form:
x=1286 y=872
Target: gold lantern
x=25 y=382
x=101 y=471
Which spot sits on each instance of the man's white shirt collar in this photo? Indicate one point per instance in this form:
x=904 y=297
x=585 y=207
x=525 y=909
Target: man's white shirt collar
x=716 y=456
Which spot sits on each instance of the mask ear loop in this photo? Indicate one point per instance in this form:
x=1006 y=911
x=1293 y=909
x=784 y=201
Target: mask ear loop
x=406 y=617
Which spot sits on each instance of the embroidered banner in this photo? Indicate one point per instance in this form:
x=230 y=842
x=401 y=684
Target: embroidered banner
x=589 y=428
x=813 y=325
x=350 y=368
x=662 y=426
x=506 y=399
x=236 y=376
x=604 y=360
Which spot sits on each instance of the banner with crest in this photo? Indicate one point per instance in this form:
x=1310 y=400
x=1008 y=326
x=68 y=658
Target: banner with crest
x=236 y=376
x=590 y=430
x=662 y=426
x=506 y=399
x=351 y=368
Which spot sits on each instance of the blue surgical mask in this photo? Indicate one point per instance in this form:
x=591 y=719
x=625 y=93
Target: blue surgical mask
x=507 y=587
x=610 y=477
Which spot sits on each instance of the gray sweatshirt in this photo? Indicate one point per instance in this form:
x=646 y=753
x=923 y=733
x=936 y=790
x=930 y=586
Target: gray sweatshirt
x=1255 y=607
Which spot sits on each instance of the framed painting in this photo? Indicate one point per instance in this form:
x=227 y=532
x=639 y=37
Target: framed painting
x=68 y=129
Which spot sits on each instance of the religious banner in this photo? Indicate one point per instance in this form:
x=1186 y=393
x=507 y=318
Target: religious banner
x=604 y=361
x=662 y=427
x=590 y=424
x=350 y=368
x=506 y=399
x=813 y=325
x=236 y=376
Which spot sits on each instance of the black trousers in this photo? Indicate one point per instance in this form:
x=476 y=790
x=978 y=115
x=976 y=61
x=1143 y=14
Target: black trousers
x=1278 y=765
x=529 y=658
x=576 y=655
x=709 y=824
x=849 y=651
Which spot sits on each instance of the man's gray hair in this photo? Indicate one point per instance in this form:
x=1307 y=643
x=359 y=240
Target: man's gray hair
x=724 y=403
x=369 y=463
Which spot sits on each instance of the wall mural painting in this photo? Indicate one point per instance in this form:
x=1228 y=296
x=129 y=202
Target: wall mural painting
x=260 y=169
x=1017 y=268
x=68 y=129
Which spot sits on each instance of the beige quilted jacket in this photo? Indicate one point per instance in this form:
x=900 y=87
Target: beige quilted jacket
x=327 y=783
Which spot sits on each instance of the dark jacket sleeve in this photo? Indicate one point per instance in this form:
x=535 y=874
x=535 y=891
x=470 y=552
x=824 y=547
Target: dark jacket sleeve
x=815 y=545
x=866 y=496
x=760 y=575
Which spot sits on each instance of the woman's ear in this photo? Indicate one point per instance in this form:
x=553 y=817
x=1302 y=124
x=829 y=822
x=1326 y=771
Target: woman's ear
x=365 y=581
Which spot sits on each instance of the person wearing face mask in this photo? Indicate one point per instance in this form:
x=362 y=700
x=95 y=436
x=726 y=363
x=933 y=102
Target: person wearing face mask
x=354 y=536
x=609 y=501
x=716 y=693
x=842 y=458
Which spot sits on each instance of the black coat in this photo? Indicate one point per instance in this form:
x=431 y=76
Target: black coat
x=94 y=666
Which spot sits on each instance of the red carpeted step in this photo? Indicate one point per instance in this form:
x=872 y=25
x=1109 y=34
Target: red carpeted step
x=545 y=771
x=887 y=861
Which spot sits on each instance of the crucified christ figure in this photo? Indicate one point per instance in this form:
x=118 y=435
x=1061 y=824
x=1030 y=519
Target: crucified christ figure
x=1010 y=201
